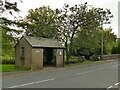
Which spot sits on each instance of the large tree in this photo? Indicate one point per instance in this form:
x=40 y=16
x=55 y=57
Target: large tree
x=7 y=44
x=7 y=7
x=72 y=19
x=78 y=18
x=109 y=40
x=89 y=43
x=43 y=22
x=65 y=24
x=7 y=39
x=116 y=47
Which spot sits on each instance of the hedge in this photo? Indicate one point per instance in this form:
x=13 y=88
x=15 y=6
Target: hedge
x=8 y=60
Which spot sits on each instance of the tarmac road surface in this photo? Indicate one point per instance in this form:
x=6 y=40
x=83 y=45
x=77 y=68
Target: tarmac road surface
x=92 y=76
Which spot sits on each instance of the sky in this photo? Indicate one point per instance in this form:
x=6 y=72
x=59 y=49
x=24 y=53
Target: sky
x=109 y=4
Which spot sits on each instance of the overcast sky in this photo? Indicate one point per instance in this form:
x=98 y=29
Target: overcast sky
x=109 y=4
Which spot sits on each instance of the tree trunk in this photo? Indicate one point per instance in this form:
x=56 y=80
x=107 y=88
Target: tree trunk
x=70 y=48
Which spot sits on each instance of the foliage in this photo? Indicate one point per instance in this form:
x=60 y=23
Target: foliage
x=83 y=19
x=116 y=48
x=6 y=6
x=72 y=19
x=42 y=22
x=89 y=44
x=7 y=44
x=73 y=59
x=8 y=40
x=109 y=40
x=0 y=44
x=7 y=59
x=79 y=27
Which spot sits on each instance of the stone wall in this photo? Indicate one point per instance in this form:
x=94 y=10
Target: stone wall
x=111 y=57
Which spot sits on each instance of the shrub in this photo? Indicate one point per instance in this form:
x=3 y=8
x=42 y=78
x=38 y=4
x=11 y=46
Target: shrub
x=94 y=58
x=73 y=59
x=8 y=60
x=81 y=58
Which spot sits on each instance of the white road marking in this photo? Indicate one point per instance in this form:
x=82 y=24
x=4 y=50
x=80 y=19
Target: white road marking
x=113 y=85
x=32 y=83
x=109 y=87
x=116 y=83
x=90 y=71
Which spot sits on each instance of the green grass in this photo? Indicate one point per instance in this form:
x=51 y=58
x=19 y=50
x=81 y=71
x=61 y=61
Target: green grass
x=83 y=63
x=87 y=62
x=11 y=68
x=8 y=68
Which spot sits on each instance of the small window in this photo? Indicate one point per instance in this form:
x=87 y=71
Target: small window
x=22 y=53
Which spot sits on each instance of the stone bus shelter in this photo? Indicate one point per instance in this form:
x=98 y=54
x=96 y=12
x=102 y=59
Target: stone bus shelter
x=36 y=53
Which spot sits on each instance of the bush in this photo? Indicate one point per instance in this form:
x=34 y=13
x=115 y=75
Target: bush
x=73 y=59
x=8 y=60
x=94 y=58
x=81 y=58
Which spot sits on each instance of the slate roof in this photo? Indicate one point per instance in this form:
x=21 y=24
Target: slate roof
x=43 y=42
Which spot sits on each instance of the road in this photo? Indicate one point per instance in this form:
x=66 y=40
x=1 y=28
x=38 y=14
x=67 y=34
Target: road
x=92 y=76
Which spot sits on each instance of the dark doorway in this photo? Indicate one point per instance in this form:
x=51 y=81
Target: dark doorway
x=49 y=58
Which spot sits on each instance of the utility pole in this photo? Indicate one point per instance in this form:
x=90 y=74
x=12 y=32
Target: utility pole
x=102 y=41
x=102 y=45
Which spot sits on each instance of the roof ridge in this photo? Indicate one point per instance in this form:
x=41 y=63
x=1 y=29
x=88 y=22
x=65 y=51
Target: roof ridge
x=43 y=42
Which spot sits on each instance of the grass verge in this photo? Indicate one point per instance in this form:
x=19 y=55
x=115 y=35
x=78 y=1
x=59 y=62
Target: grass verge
x=83 y=63
x=11 y=68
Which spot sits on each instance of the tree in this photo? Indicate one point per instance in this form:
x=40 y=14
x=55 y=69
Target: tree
x=65 y=24
x=7 y=44
x=7 y=7
x=42 y=22
x=104 y=18
x=80 y=17
x=116 y=47
x=109 y=40
x=89 y=43
x=72 y=19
